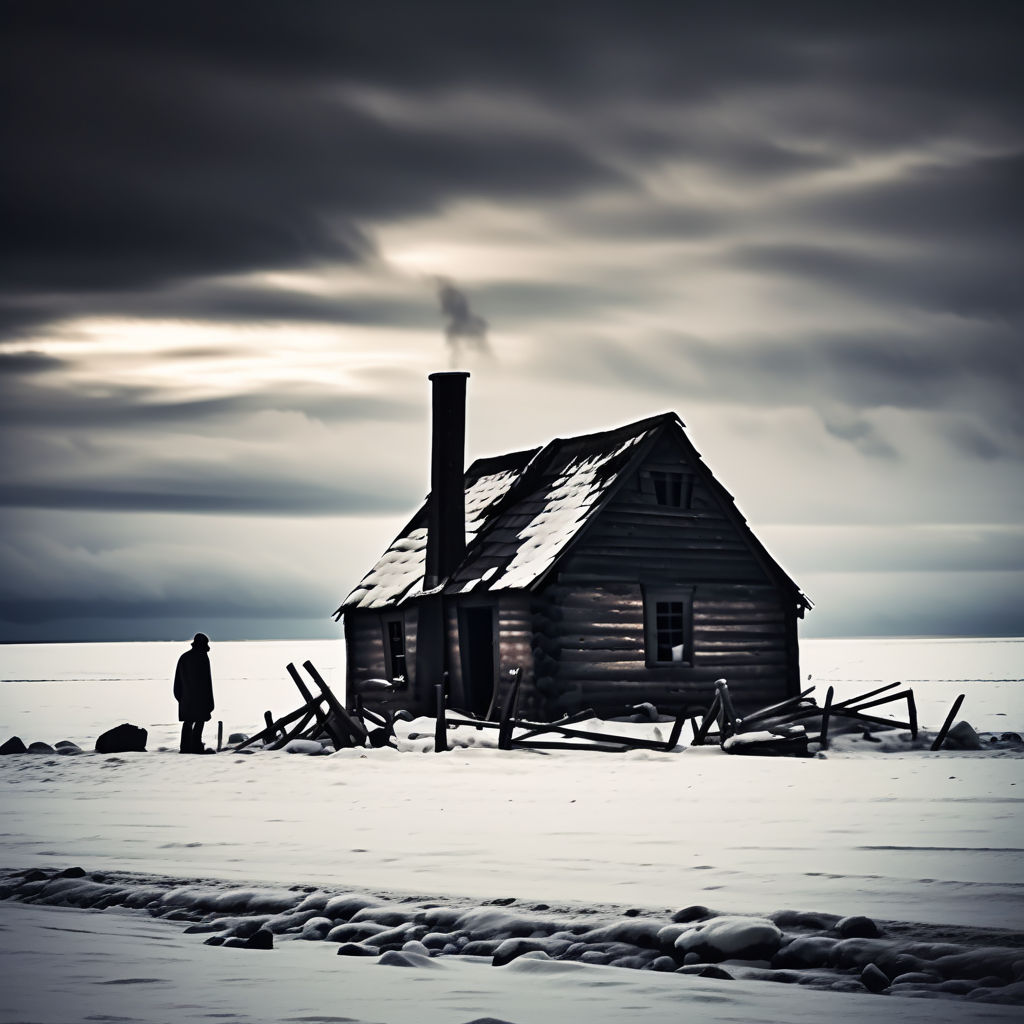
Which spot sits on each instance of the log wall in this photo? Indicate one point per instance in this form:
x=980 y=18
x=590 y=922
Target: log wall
x=590 y=643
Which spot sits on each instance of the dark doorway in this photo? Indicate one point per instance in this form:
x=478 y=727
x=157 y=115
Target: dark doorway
x=478 y=658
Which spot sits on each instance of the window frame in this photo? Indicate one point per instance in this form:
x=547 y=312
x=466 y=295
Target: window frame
x=386 y=622
x=671 y=483
x=653 y=596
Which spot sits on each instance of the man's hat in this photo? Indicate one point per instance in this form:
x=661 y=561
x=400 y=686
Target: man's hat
x=200 y=640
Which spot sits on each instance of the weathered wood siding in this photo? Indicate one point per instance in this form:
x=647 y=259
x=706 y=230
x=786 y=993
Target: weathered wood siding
x=366 y=658
x=591 y=643
x=590 y=648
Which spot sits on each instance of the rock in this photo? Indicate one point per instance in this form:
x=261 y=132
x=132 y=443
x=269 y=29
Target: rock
x=14 y=746
x=1010 y=737
x=316 y=928
x=730 y=938
x=303 y=747
x=806 y=919
x=262 y=939
x=510 y=949
x=711 y=971
x=414 y=946
x=121 y=739
x=34 y=876
x=75 y=872
x=67 y=747
x=238 y=737
x=40 y=748
x=962 y=737
x=687 y=914
x=873 y=979
x=395 y=958
x=214 y=940
x=663 y=963
x=857 y=927
x=805 y=951
x=357 y=949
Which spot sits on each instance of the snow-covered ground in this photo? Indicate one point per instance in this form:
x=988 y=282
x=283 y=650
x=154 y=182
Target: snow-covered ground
x=910 y=837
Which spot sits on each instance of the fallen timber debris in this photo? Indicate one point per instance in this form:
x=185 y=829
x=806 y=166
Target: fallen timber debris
x=785 y=728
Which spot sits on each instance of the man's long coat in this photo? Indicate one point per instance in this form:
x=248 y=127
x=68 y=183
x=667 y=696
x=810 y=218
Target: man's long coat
x=193 y=686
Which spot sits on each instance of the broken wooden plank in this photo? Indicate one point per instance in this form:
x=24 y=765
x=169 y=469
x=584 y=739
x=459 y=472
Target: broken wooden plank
x=825 y=715
x=323 y=719
x=710 y=716
x=355 y=729
x=274 y=728
x=295 y=732
x=941 y=738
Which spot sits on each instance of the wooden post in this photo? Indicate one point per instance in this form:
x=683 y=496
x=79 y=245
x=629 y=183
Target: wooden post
x=324 y=720
x=941 y=738
x=912 y=714
x=509 y=711
x=220 y=736
x=269 y=719
x=441 y=725
x=727 y=714
x=825 y=715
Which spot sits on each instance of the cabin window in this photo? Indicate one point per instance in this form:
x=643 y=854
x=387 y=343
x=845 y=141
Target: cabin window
x=394 y=649
x=669 y=629
x=671 y=489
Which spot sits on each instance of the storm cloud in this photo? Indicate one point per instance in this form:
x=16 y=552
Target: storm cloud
x=797 y=224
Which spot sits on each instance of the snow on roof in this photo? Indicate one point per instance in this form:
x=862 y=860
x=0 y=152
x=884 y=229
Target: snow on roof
x=400 y=570
x=567 y=503
x=522 y=512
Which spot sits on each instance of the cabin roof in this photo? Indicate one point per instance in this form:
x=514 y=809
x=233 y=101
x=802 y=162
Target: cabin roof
x=524 y=509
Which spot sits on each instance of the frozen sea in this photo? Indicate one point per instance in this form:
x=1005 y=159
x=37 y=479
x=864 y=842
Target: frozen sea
x=936 y=839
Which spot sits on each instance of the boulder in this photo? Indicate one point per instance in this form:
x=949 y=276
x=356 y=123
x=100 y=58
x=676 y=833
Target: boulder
x=730 y=938
x=237 y=737
x=67 y=747
x=694 y=913
x=873 y=978
x=962 y=737
x=262 y=939
x=40 y=748
x=121 y=739
x=14 y=746
x=857 y=927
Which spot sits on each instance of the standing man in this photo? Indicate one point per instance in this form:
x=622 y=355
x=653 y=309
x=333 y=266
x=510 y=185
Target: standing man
x=193 y=689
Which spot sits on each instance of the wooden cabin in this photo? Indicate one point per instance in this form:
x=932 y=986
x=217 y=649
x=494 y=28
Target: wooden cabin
x=611 y=569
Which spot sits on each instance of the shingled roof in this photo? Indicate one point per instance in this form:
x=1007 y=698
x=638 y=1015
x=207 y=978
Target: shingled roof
x=523 y=510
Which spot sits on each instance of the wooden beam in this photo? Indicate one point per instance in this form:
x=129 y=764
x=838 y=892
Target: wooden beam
x=351 y=725
x=323 y=719
x=941 y=738
x=825 y=714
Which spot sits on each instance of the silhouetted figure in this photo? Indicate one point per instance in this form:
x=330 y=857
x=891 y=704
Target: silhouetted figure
x=193 y=689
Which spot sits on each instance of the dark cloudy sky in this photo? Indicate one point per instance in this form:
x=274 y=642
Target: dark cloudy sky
x=237 y=236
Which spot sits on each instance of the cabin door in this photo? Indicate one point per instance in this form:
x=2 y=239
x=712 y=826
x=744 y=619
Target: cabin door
x=477 y=644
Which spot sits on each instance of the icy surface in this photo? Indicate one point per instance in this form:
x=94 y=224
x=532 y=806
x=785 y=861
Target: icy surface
x=904 y=836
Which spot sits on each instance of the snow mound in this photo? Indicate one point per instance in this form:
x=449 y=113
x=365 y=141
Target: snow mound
x=727 y=938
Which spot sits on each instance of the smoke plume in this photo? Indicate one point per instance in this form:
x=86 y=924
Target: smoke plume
x=463 y=324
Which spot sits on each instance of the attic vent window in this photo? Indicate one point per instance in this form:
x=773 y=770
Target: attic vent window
x=672 y=490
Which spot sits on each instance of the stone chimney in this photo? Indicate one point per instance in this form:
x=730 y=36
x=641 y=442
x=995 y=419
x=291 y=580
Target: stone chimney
x=446 y=513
